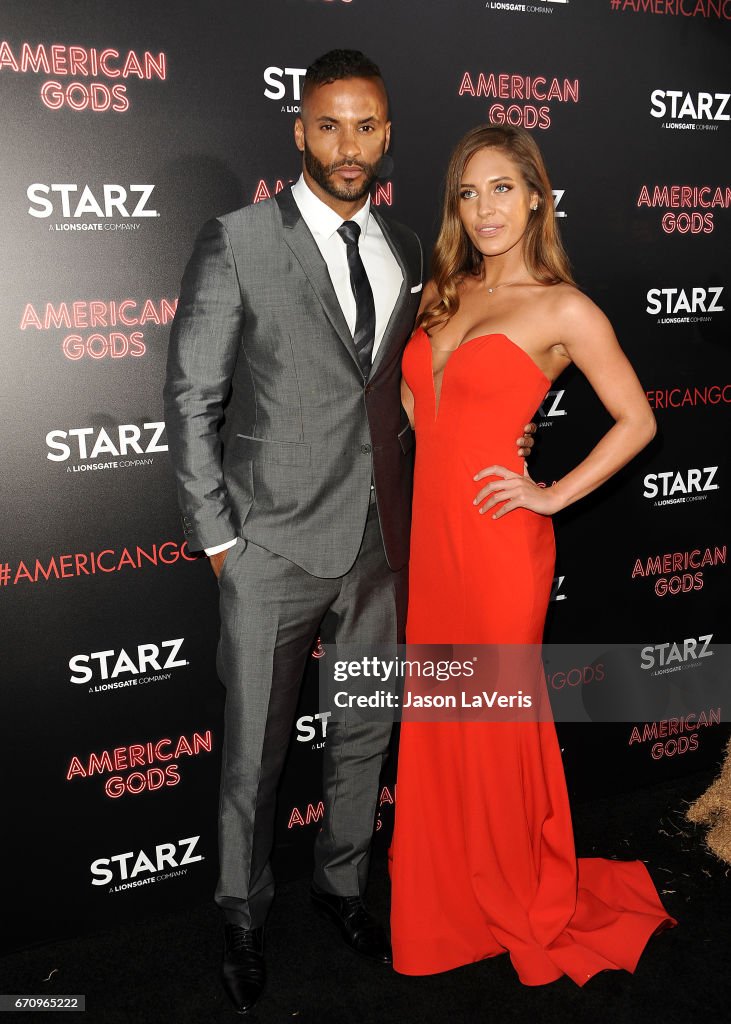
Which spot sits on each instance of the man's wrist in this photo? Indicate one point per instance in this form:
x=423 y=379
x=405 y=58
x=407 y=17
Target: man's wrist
x=218 y=548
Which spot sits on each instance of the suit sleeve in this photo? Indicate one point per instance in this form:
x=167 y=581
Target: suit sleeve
x=204 y=343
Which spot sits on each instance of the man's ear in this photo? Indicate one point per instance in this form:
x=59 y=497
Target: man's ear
x=299 y=134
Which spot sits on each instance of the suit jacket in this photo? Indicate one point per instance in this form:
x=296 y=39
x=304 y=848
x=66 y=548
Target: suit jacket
x=273 y=433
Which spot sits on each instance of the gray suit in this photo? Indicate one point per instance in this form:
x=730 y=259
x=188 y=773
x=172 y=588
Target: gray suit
x=275 y=437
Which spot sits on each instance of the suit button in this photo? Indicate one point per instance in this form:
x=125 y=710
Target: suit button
x=368 y=388
x=366 y=449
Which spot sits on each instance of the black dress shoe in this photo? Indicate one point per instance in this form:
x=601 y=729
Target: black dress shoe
x=360 y=930
x=243 y=972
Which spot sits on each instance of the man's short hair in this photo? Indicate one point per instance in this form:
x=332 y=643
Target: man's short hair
x=337 y=64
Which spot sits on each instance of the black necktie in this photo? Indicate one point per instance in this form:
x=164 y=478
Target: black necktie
x=365 y=309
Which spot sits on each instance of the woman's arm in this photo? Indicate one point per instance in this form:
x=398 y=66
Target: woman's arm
x=586 y=336
x=407 y=400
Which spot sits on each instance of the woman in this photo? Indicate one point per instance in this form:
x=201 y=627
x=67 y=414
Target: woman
x=483 y=858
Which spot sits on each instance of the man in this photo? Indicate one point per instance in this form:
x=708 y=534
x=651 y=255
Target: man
x=292 y=455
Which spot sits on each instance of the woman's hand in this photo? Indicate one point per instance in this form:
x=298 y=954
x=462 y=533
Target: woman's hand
x=516 y=491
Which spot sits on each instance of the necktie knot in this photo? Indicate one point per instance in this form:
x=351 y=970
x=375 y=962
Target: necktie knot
x=349 y=231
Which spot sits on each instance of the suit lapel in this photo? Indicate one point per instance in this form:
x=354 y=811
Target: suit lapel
x=403 y=294
x=304 y=247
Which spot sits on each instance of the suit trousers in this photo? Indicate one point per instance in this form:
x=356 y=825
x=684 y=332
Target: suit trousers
x=270 y=610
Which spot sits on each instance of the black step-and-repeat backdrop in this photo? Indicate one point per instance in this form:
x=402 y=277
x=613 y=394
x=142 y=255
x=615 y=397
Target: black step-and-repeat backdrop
x=125 y=127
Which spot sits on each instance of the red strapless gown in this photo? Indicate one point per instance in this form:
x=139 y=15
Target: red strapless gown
x=482 y=859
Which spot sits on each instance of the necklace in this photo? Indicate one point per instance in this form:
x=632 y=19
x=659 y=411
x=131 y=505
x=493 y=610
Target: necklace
x=504 y=284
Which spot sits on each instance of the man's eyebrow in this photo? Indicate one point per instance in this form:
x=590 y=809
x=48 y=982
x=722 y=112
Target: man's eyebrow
x=364 y=120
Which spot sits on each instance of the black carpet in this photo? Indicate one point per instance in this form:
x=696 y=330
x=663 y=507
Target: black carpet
x=165 y=969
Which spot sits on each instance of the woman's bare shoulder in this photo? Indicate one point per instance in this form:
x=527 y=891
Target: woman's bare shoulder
x=572 y=305
x=429 y=296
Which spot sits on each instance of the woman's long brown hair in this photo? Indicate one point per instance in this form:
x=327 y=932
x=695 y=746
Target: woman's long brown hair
x=455 y=256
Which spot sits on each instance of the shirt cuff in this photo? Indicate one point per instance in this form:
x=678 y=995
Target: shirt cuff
x=220 y=547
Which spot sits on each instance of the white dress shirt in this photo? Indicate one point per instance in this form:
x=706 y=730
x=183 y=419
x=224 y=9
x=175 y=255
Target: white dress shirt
x=381 y=266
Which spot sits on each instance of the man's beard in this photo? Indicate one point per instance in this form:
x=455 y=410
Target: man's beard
x=321 y=173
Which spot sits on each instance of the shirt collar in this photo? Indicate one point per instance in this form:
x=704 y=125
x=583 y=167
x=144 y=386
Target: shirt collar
x=319 y=217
